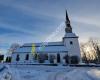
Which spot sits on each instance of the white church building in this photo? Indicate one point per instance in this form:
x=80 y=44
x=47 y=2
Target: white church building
x=66 y=51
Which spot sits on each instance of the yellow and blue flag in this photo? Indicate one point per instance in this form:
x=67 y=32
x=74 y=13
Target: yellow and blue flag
x=33 y=49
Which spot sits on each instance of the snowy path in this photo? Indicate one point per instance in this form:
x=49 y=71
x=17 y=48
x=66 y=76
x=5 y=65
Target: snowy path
x=49 y=73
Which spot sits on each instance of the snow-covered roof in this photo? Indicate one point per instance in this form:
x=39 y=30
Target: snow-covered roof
x=43 y=43
x=44 y=49
x=70 y=35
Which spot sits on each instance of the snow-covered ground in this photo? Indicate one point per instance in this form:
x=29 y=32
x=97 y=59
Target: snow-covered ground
x=30 y=72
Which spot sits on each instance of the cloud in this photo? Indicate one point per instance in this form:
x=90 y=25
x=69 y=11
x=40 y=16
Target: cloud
x=89 y=20
x=86 y=26
x=16 y=28
x=81 y=12
x=29 y=9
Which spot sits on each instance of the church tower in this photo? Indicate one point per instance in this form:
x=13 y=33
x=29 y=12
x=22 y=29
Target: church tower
x=70 y=39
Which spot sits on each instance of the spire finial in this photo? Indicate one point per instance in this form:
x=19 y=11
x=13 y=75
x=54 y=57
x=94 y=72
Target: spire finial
x=67 y=18
x=68 y=28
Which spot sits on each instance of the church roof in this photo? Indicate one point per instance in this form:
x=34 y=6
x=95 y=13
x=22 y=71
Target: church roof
x=70 y=35
x=51 y=47
x=43 y=43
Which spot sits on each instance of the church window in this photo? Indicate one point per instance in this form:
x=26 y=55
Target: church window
x=17 y=58
x=71 y=43
x=27 y=57
x=58 y=58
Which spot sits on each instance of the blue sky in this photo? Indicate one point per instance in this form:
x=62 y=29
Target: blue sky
x=23 y=21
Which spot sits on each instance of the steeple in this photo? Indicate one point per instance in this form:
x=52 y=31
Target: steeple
x=68 y=28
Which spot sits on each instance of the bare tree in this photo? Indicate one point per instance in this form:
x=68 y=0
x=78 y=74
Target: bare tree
x=13 y=47
x=83 y=53
x=91 y=51
x=95 y=44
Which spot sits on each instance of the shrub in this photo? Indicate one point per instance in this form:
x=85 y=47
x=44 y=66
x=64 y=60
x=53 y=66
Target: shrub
x=74 y=59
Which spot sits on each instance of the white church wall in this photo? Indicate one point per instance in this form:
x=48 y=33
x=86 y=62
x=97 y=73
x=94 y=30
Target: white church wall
x=62 y=57
x=13 y=58
x=72 y=46
x=22 y=57
x=31 y=57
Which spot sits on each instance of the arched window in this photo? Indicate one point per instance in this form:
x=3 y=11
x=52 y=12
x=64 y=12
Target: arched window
x=71 y=43
x=27 y=57
x=58 y=58
x=17 y=58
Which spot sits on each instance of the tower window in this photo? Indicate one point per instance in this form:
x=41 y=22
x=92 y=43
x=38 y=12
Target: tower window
x=71 y=43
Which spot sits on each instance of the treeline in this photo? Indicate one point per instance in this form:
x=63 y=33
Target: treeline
x=8 y=59
x=10 y=51
x=1 y=58
x=91 y=51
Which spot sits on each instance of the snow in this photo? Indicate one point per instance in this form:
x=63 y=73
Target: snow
x=30 y=72
x=51 y=49
x=69 y=35
x=43 y=43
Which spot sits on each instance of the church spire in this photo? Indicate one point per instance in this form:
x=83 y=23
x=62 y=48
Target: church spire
x=68 y=28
